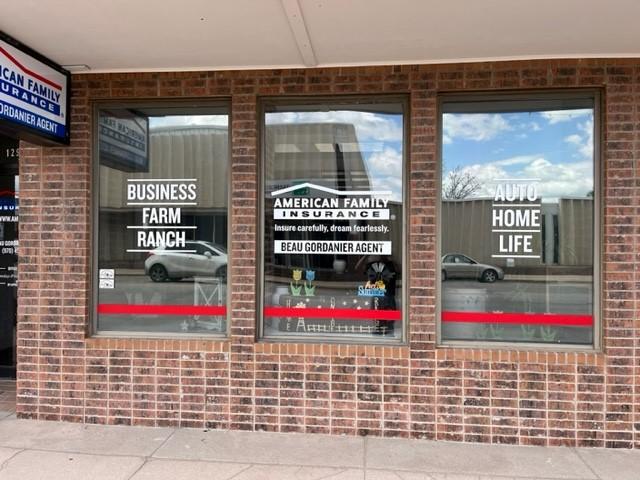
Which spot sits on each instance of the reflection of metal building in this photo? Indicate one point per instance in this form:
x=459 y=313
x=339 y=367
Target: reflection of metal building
x=566 y=237
x=575 y=231
x=326 y=154
x=197 y=152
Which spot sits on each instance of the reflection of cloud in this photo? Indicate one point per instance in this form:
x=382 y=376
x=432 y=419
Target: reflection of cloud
x=583 y=141
x=555 y=179
x=369 y=126
x=488 y=172
x=557 y=116
x=517 y=160
x=575 y=139
x=486 y=175
x=529 y=126
x=562 y=180
x=393 y=184
x=474 y=126
x=188 y=120
x=385 y=169
x=386 y=162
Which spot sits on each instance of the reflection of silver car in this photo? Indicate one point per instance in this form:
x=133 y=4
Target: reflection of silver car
x=456 y=265
x=196 y=258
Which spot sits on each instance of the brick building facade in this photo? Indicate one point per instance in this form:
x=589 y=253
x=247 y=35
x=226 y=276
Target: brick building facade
x=421 y=390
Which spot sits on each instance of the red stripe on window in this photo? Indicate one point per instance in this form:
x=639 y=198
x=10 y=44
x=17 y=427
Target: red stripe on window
x=124 y=309
x=519 y=318
x=343 y=313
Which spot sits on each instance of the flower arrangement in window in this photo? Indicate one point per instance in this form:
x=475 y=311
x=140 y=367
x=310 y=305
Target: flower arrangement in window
x=297 y=287
x=309 y=288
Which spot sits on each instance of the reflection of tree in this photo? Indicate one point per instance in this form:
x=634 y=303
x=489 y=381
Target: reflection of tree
x=459 y=184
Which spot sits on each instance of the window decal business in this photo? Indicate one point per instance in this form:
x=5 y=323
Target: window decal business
x=333 y=239
x=163 y=222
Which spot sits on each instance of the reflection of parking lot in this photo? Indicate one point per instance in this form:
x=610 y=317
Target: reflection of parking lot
x=140 y=290
x=518 y=296
x=506 y=296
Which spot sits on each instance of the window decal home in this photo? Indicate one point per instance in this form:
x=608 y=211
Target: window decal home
x=517 y=220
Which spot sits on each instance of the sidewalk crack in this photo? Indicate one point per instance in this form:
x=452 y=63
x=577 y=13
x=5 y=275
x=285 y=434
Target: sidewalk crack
x=135 y=472
x=339 y=472
x=241 y=471
x=364 y=457
x=577 y=452
x=146 y=458
x=4 y=464
x=164 y=442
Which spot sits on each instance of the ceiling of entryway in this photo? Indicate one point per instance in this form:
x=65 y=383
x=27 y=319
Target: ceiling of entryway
x=139 y=35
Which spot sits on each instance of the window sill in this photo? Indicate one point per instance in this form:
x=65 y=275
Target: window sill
x=560 y=355
x=334 y=350
x=199 y=344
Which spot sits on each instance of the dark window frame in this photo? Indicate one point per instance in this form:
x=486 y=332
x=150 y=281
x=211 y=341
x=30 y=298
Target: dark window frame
x=548 y=99
x=222 y=104
x=267 y=104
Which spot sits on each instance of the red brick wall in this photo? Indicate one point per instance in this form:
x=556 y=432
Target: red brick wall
x=500 y=396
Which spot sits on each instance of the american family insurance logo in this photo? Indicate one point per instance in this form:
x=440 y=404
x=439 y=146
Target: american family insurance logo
x=32 y=93
x=365 y=208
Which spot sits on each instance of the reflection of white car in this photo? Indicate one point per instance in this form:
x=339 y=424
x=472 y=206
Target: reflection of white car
x=457 y=265
x=196 y=258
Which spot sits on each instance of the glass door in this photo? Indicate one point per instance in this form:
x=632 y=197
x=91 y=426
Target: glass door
x=9 y=188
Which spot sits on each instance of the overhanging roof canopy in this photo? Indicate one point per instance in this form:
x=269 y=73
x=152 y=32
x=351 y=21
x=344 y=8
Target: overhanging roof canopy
x=157 y=35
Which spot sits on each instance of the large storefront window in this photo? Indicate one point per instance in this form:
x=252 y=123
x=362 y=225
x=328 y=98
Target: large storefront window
x=162 y=220
x=519 y=200
x=333 y=220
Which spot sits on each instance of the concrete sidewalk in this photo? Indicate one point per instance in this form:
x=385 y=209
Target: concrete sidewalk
x=51 y=451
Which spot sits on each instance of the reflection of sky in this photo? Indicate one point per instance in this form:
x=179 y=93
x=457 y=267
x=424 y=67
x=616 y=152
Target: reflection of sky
x=555 y=147
x=188 y=120
x=379 y=135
